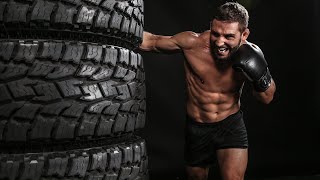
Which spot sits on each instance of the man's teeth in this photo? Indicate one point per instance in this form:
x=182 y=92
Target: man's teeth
x=222 y=49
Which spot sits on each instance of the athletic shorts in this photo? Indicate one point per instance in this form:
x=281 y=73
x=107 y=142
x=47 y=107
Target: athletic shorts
x=203 y=139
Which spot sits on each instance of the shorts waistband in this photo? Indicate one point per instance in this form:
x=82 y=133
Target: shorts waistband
x=236 y=115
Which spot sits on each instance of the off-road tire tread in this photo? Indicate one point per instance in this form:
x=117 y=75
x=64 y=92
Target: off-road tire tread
x=61 y=90
x=113 y=22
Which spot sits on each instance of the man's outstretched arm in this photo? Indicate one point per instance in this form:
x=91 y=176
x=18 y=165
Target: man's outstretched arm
x=168 y=44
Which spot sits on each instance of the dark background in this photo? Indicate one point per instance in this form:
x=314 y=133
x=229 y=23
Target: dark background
x=284 y=136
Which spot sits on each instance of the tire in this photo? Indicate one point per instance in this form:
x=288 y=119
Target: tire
x=55 y=91
x=111 y=22
x=72 y=91
x=122 y=161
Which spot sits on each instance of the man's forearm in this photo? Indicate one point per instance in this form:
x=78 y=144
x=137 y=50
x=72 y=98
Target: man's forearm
x=159 y=43
x=266 y=96
x=148 y=42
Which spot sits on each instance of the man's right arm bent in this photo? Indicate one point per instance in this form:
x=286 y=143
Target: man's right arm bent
x=168 y=44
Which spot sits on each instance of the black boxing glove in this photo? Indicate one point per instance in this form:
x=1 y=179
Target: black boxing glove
x=250 y=60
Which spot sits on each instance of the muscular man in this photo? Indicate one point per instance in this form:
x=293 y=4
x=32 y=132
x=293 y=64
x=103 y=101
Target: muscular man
x=218 y=62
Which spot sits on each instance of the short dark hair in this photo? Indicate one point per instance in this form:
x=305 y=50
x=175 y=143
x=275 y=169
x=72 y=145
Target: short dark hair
x=233 y=12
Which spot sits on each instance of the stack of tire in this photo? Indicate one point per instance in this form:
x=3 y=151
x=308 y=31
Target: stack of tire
x=72 y=90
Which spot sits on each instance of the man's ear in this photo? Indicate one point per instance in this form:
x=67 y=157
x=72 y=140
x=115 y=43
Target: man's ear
x=245 y=34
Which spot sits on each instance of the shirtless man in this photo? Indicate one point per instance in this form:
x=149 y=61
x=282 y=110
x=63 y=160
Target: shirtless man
x=218 y=62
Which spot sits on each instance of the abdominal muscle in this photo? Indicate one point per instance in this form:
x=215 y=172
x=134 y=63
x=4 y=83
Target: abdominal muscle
x=210 y=112
x=207 y=104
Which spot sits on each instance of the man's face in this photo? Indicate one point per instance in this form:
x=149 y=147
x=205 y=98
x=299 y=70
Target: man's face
x=225 y=39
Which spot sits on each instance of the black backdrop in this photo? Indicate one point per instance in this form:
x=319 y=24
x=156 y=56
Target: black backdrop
x=284 y=136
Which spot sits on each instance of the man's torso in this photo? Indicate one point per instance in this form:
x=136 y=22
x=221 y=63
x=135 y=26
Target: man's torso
x=214 y=89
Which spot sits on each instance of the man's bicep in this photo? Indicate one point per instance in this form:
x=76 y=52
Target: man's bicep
x=187 y=39
x=167 y=44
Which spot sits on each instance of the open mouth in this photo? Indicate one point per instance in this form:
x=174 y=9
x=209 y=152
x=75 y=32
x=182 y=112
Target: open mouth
x=222 y=50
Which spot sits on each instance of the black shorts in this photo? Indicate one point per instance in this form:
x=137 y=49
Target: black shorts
x=203 y=139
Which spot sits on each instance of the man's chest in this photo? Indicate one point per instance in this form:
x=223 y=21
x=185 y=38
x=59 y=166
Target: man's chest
x=213 y=76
